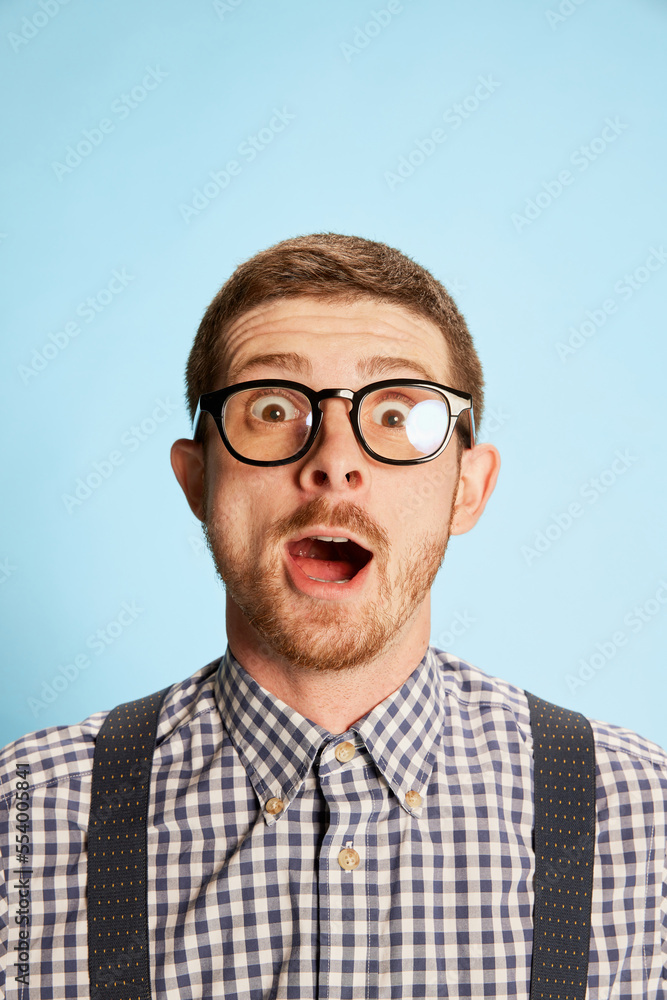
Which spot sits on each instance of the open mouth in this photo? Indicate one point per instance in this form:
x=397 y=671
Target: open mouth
x=329 y=560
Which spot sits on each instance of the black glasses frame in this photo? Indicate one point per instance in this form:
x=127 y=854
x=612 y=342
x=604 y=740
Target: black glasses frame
x=214 y=403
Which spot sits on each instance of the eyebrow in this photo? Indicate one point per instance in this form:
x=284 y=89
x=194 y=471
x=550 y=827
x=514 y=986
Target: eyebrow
x=377 y=364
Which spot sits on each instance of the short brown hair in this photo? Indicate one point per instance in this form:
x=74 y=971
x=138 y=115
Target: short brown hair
x=331 y=266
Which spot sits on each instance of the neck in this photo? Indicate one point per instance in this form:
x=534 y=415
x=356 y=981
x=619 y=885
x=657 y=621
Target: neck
x=332 y=699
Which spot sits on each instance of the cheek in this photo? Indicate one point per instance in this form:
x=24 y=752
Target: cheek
x=422 y=503
x=239 y=505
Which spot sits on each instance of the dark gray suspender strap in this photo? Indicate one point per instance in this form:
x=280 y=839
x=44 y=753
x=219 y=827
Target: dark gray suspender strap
x=118 y=957
x=564 y=843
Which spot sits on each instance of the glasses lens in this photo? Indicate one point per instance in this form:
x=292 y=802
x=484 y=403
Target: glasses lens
x=268 y=423
x=404 y=422
x=272 y=423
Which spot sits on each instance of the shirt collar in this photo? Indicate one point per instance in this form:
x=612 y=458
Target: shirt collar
x=277 y=745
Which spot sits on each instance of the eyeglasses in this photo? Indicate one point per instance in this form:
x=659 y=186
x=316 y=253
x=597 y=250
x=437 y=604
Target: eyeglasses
x=274 y=422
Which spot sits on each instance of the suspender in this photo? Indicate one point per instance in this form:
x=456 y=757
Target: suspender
x=563 y=841
x=118 y=964
x=564 y=844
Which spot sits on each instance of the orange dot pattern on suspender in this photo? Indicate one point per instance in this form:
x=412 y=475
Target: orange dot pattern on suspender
x=564 y=784
x=117 y=851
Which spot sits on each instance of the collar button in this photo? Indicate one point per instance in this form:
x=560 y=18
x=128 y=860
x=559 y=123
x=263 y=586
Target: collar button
x=344 y=751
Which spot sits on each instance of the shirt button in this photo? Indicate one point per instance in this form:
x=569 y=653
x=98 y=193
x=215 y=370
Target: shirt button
x=344 y=751
x=274 y=805
x=413 y=799
x=348 y=858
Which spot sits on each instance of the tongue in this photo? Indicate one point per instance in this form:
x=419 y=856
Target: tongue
x=324 y=560
x=325 y=569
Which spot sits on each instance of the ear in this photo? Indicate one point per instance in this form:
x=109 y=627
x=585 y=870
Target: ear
x=187 y=461
x=477 y=479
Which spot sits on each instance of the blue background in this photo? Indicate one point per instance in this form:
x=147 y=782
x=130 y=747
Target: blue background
x=361 y=99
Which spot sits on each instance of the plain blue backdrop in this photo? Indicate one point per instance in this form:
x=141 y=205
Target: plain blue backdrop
x=516 y=150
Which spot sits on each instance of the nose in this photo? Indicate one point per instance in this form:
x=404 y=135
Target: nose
x=335 y=454
x=336 y=425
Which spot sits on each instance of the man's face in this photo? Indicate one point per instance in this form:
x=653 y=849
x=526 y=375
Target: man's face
x=251 y=512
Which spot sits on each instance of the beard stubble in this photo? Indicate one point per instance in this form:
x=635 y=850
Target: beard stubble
x=317 y=634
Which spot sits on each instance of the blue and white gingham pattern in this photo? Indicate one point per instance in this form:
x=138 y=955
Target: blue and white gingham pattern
x=250 y=905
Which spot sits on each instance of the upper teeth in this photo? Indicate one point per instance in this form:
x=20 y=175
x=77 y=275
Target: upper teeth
x=326 y=538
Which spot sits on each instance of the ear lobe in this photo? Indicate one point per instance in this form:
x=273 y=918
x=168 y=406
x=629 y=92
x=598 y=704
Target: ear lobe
x=479 y=471
x=187 y=461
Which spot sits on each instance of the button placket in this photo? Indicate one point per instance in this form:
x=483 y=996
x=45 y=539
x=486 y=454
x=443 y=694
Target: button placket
x=347 y=857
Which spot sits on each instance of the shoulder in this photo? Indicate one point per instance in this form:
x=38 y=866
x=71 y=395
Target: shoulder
x=59 y=754
x=475 y=691
x=47 y=756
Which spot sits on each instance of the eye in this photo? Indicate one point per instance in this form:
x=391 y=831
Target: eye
x=392 y=411
x=273 y=408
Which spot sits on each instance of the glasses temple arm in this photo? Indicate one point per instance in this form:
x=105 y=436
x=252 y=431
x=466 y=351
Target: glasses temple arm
x=195 y=420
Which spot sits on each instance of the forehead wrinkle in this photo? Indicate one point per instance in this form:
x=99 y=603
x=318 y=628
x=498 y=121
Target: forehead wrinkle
x=292 y=362
x=350 y=319
x=244 y=327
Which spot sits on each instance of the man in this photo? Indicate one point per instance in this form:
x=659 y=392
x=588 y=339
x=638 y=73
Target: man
x=337 y=808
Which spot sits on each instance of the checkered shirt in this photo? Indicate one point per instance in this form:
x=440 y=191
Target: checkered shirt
x=251 y=904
